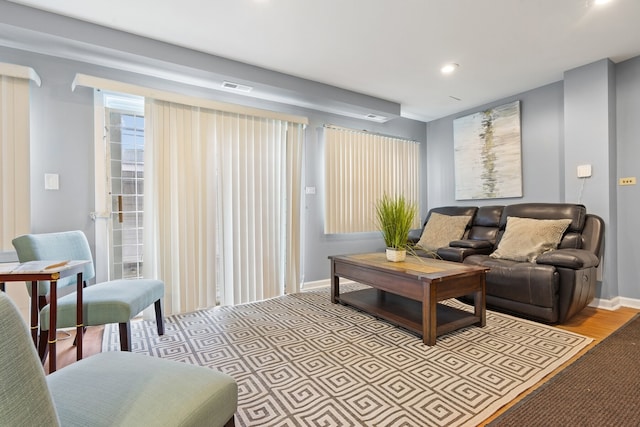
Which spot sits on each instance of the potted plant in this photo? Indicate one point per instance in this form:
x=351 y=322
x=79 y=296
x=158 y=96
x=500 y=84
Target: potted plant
x=394 y=217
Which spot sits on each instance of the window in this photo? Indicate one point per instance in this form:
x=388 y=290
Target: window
x=360 y=167
x=126 y=148
x=119 y=177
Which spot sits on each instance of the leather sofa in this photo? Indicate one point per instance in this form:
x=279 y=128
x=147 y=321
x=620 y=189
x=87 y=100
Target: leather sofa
x=550 y=288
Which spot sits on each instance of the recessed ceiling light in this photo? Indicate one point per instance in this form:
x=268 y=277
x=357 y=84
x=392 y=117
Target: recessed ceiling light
x=449 y=68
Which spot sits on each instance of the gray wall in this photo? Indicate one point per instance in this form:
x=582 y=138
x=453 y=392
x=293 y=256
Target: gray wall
x=542 y=155
x=590 y=137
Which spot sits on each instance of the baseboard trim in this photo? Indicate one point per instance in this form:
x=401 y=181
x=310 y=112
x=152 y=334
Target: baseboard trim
x=615 y=303
x=319 y=284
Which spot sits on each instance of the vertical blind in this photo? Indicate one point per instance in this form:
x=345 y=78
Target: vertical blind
x=361 y=167
x=15 y=216
x=222 y=205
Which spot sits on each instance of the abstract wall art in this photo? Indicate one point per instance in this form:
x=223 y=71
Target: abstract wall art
x=487 y=152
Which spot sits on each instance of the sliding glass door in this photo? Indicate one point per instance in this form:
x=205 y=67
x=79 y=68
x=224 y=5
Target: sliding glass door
x=119 y=186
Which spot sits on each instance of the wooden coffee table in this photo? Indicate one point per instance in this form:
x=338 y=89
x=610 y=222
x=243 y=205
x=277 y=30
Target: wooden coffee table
x=407 y=293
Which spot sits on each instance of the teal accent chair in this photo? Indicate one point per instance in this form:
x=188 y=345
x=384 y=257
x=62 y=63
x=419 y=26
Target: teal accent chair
x=116 y=301
x=107 y=389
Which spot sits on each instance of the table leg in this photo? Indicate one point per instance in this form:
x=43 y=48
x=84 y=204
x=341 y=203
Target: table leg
x=429 y=314
x=35 y=312
x=335 y=283
x=480 y=306
x=53 y=323
x=79 y=318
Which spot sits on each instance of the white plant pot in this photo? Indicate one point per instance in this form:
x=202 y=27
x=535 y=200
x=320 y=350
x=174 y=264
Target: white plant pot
x=396 y=255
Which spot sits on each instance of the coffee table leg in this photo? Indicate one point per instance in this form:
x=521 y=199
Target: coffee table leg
x=429 y=314
x=335 y=283
x=480 y=306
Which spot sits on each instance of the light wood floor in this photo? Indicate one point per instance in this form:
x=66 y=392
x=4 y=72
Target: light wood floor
x=594 y=323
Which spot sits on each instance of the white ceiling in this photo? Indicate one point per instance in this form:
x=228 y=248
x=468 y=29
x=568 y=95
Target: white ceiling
x=390 y=49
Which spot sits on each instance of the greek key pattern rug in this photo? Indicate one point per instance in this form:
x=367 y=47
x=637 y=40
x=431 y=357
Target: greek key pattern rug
x=301 y=361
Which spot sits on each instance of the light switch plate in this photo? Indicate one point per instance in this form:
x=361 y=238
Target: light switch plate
x=51 y=181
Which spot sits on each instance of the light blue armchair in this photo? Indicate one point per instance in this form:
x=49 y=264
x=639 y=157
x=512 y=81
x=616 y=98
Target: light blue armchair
x=108 y=389
x=116 y=301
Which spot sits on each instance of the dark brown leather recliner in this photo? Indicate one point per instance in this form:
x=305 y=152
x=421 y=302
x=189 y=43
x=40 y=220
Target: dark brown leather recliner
x=560 y=282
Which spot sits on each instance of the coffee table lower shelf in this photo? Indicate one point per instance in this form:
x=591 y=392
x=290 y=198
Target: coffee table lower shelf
x=405 y=312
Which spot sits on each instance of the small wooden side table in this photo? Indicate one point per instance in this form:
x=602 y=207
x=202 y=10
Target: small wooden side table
x=35 y=271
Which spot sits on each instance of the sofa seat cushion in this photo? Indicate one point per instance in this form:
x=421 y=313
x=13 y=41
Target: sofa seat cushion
x=524 y=282
x=525 y=239
x=441 y=229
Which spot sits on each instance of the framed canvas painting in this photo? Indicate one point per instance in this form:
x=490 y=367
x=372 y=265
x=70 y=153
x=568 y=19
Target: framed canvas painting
x=487 y=153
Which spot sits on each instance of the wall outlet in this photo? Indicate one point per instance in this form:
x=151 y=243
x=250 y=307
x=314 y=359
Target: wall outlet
x=630 y=180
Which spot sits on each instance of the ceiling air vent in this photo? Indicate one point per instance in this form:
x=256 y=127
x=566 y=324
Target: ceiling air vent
x=376 y=118
x=236 y=87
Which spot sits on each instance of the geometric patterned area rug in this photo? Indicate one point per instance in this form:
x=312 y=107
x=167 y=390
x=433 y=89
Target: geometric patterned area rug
x=300 y=360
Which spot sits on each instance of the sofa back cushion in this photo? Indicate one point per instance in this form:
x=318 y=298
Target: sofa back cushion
x=576 y=213
x=486 y=223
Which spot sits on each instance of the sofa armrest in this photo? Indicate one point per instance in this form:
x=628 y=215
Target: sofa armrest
x=471 y=244
x=569 y=258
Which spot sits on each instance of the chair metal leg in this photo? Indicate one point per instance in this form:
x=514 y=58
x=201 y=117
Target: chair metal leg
x=125 y=336
x=159 y=318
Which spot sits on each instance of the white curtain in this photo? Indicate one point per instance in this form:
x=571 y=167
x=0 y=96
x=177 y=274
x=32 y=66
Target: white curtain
x=15 y=211
x=360 y=167
x=222 y=205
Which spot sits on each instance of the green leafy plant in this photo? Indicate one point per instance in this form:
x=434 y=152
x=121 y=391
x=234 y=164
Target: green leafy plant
x=394 y=217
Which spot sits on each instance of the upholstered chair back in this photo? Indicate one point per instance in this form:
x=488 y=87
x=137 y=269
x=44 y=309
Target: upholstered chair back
x=24 y=396
x=62 y=246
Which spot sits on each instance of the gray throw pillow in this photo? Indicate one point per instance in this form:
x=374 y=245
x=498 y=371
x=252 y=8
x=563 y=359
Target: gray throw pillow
x=442 y=229
x=524 y=239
